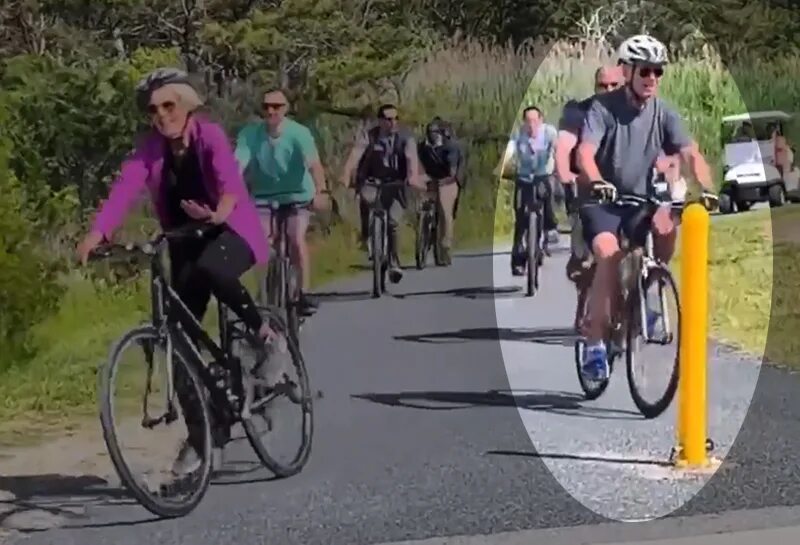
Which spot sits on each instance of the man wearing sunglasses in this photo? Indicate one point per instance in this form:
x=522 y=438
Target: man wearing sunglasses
x=622 y=136
x=387 y=152
x=606 y=79
x=282 y=164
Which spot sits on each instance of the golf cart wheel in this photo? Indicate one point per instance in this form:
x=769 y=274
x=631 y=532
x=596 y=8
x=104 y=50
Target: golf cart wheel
x=777 y=196
x=725 y=203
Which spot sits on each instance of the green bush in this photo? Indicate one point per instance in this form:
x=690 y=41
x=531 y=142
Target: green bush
x=28 y=287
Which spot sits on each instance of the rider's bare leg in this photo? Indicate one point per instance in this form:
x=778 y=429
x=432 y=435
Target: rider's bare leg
x=607 y=255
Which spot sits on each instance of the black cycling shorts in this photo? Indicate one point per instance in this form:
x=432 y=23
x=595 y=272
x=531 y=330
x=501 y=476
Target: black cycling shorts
x=607 y=218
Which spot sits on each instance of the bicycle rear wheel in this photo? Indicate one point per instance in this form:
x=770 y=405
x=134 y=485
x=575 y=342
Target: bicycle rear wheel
x=289 y=381
x=148 y=339
x=662 y=350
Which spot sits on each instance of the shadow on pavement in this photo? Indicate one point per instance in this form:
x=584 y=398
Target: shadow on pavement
x=37 y=503
x=581 y=458
x=482 y=292
x=565 y=403
x=338 y=296
x=548 y=335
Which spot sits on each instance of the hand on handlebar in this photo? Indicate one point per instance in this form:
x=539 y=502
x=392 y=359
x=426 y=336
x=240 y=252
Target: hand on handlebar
x=709 y=200
x=603 y=190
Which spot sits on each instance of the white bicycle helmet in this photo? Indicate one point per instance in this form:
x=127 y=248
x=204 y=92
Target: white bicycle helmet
x=155 y=80
x=642 y=49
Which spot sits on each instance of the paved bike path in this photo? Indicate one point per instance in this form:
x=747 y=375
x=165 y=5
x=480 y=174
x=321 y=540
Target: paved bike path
x=416 y=440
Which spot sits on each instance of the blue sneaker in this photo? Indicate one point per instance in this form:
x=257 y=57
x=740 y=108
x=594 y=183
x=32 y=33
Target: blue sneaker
x=595 y=366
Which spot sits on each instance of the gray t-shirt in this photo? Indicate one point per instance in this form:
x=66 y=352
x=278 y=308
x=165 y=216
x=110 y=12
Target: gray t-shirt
x=629 y=140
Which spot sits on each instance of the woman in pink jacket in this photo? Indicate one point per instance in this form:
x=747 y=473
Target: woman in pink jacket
x=187 y=165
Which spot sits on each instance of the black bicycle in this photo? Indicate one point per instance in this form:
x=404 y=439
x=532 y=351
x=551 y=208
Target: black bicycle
x=228 y=387
x=639 y=270
x=536 y=243
x=281 y=285
x=428 y=227
x=379 y=234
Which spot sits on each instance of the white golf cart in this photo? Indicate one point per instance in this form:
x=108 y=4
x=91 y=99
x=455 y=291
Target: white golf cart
x=750 y=171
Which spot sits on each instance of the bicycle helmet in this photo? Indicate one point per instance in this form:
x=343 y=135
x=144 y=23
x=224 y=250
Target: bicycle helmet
x=642 y=49
x=157 y=79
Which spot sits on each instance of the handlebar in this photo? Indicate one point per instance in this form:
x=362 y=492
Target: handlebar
x=607 y=193
x=152 y=247
x=376 y=182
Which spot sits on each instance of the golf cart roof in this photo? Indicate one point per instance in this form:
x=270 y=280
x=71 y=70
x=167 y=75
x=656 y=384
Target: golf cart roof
x=772 y=114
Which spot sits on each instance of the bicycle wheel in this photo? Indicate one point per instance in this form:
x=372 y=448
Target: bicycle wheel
x=378 y=269
x=295 y=389
x=662 y=352
x=423 y=229
x=292 y=301
x=533 y=254
x=148 y=338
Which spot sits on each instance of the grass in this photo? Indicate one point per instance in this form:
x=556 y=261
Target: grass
x=482 y=91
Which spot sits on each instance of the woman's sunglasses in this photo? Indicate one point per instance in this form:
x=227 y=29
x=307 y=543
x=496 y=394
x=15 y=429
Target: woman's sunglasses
x=168 y=106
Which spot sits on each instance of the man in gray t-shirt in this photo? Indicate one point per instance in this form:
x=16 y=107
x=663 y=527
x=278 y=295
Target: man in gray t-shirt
x=622 y=136
x=629 y=140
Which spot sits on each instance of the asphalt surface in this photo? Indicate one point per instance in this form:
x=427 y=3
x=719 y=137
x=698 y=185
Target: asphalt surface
x=451 y=408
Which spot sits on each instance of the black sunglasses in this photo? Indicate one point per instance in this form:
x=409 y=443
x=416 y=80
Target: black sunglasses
x=645 y=72
x=273 y=105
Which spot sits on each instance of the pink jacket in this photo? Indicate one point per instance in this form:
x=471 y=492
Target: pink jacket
x=221 y=174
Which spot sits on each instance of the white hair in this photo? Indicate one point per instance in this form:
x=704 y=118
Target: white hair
x=187 y=96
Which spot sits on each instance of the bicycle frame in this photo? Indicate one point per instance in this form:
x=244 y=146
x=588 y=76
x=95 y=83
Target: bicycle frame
x=535 y=206
x=638 y=260
x=377 y=210
x=278 y=217
x=175 y=322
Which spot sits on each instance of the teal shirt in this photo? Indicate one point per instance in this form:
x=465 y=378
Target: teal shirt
x=277 y=168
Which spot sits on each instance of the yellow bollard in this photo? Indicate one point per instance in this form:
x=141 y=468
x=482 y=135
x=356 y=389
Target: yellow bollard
x=692 y=407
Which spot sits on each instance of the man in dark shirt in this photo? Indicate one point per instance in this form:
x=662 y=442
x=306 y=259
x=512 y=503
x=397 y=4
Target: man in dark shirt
x=387 y=152
x=579 y=266
x=442 y=160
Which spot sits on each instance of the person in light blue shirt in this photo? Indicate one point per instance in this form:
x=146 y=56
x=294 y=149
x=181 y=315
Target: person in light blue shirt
x=533 y=148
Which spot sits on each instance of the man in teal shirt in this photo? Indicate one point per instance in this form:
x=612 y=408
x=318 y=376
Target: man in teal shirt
x=281 y=164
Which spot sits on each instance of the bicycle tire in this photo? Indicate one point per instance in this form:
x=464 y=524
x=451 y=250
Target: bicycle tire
x=532 y=235
x=651 y=410
x=376 y=234
x=145 y=498
x=254 y=437
x=292 y=301
x=421 y=253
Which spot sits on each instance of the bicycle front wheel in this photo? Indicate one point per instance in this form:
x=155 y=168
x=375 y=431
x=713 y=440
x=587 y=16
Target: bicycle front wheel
x=653 y=341
x=377 y=256
x=116 y=380
x=423 y=230
x=533 y=254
